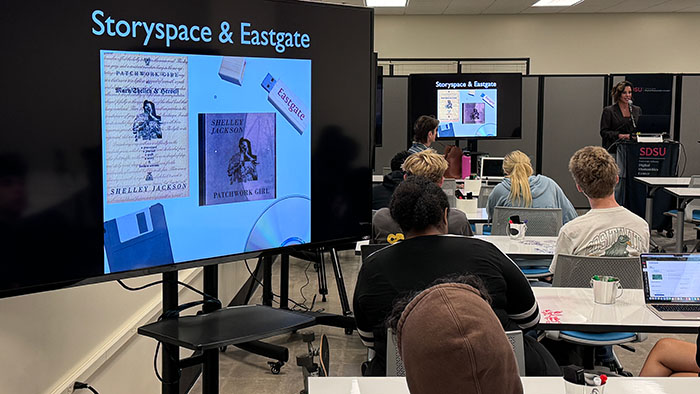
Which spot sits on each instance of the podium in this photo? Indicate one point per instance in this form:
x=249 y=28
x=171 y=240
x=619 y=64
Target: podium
x=646 y=159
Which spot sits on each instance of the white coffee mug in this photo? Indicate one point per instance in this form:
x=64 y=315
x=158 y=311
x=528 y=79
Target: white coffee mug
x=606 y=289
x=517 y=230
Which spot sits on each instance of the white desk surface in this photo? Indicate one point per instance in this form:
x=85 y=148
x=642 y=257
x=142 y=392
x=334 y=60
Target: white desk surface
x=566 y=308
x=377 y=178
x=530 y=246
x=684 y=192
x=480 y=216
x=663 y=180
x=531 y=385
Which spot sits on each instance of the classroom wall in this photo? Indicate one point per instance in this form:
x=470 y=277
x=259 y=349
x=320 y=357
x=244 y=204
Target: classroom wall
x=88 y=333
x=555 y=43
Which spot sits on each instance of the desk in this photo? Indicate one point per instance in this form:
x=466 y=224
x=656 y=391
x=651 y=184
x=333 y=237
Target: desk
x=532 y=247
x=655 y=183
x=573 y=309
x=531 y=385
x=480 y=216
x=685 y=195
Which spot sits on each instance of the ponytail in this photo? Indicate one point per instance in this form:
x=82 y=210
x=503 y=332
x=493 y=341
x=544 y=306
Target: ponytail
x=517 y=167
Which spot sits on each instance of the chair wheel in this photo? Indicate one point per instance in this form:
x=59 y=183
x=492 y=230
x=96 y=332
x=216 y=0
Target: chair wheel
x=669 y=234
x=275 y=367
x=348 y=331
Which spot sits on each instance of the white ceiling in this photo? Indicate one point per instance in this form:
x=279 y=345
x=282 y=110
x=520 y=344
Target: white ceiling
x=484 y=7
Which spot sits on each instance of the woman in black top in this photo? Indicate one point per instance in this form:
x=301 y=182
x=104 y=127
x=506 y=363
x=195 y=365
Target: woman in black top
x=420 y=207
x=618 y=121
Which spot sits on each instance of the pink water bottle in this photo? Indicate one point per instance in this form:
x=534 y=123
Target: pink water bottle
x=466 y=166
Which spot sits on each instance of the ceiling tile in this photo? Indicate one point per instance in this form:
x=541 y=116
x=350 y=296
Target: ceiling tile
x=467 y=6
x=673 y=6
x=591 y=6
x=509 y=6
x=632 y=6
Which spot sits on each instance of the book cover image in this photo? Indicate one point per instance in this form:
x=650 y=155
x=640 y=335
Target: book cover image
x=146 y=124
x=237 y=157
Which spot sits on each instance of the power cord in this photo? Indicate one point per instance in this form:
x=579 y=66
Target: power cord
x=183 y=284
x=81 y=386
x=302 y=307
x=208 y=299
x=685 y=159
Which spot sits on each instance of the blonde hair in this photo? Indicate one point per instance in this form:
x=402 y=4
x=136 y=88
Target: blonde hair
x=427 y=163
x=595 y=171
x=518 y=168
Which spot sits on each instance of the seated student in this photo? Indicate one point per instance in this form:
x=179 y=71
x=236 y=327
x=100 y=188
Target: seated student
x=520 y=188
x=607 y=229
x=671 y=357
x=381 y=194
x=428 y=253
x=427 y=164
x=424 y=133
x=466 y=350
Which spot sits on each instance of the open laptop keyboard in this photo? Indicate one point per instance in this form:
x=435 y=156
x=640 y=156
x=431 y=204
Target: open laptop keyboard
x=678 y=308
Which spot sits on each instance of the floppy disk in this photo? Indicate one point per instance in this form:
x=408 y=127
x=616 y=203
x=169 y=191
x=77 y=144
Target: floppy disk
x=138 y=240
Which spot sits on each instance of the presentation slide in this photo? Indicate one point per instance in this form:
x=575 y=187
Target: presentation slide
x=467 y=112
x=197 y=143
x=673 y=280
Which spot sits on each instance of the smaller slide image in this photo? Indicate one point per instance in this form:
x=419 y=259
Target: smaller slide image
x=467 y=113
x=473 y=113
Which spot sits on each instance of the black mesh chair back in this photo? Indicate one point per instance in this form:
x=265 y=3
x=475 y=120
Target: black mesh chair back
x=540 y=221
x=577 y=271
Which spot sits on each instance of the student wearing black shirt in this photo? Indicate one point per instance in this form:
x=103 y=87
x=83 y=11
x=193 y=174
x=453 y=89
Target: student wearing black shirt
x=421 y=209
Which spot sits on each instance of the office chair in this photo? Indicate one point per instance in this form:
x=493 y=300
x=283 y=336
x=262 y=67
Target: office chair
x=395 y=367
x=577 y=271
x=540 y=222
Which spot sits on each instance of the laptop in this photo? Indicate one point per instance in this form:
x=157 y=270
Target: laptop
x=491 y=169
x=672 y=285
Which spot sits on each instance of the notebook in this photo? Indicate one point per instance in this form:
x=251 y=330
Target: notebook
x=672 y=285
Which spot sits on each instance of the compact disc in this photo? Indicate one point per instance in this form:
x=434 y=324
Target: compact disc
x=488 y=129
x=285 y=222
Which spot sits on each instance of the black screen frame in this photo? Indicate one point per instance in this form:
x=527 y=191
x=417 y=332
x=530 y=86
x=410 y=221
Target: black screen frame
x=352 y=126
x=422 y=96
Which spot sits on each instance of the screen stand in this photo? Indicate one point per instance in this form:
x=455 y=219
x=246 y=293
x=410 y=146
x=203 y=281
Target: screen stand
x=171 y=363
x=171 y=353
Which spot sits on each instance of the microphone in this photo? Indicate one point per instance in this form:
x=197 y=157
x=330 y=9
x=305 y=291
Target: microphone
x=634 y=124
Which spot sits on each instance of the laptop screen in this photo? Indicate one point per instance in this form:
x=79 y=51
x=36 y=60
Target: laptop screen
x=671 y=277
x=492 y=167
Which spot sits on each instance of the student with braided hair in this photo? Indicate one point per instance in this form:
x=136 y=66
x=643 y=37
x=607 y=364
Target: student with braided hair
x=520 y=188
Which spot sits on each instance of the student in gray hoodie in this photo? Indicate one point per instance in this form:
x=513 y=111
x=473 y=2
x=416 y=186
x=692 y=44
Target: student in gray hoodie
x=520 y=188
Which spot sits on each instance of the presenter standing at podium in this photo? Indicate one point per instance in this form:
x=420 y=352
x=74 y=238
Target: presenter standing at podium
x=619 y=121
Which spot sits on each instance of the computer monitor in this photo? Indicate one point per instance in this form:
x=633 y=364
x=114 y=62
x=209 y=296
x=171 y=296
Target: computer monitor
x=491 y=168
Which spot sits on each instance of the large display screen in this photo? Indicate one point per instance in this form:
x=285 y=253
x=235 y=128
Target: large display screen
x=145 y=135
x=479 y=106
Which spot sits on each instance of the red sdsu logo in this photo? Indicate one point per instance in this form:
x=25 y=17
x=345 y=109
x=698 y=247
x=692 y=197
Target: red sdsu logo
x=638 y=90
x=653 y=152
